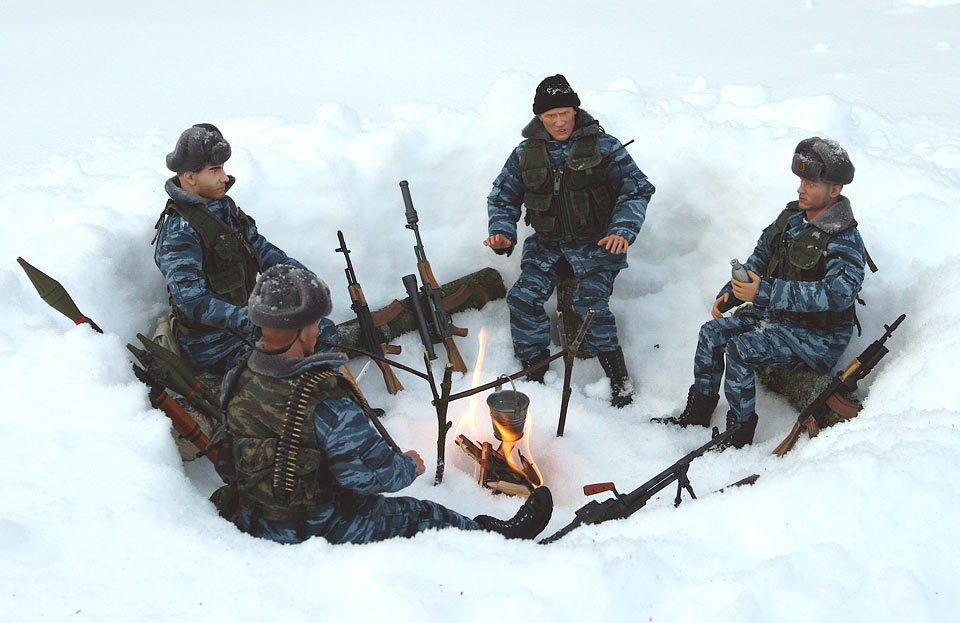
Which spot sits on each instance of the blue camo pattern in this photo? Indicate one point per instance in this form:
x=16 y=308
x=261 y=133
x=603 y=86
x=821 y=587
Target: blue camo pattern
x=760 y=337
x=361 y=462
x=594 y=266
x=179 y=256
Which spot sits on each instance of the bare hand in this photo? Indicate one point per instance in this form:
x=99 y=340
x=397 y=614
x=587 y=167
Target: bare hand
x=746 y=291
x=720 y=305
x=497 y=241
x=614 y=243
x=416 y=459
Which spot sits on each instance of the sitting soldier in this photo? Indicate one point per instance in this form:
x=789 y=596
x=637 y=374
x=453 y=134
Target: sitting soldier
x=805 y=275
x=300 y=446
x=210 y=253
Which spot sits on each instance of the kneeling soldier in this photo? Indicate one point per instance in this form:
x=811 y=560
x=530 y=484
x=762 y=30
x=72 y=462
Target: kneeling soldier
x=805 y=276
x=300 y=450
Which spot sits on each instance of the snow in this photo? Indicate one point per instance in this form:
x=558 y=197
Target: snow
x=327 y=107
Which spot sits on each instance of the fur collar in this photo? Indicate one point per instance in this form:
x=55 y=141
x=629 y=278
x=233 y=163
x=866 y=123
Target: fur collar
x=584 y=124
x=282 y=366
x=834 y=219
x=178 y=194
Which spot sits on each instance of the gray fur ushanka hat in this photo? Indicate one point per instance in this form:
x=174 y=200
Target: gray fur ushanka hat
x=198 y=146
x=287 y=297
x=822 y=160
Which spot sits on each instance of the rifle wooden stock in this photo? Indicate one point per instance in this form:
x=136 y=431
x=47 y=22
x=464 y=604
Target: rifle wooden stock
x=389 y=378
x=830 y=397
x=453 y=353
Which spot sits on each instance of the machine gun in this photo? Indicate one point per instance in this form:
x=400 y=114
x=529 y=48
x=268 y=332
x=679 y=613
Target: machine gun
x=433 y=321
x=622 y=506
x=831 y=397
x=371 y=339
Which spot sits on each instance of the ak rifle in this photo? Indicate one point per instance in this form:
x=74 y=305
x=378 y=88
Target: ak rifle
x=432 y=319
x=370 y=337
x=832 y=397
x=622 y=506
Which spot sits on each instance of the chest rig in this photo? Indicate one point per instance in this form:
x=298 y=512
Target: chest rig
x=271 y=450
x=230 y=263
x=570 y=202
x=801 y=258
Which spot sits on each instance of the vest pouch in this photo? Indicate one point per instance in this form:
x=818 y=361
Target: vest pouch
x=226 y=247
x=309 y=461
x=229 y=284
x=805 y=252
x=254 y=456
x=603 y=206
x=539 y=214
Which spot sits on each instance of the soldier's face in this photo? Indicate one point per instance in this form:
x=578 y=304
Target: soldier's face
x=210 y=182
x=816 y=196
x=559 y=122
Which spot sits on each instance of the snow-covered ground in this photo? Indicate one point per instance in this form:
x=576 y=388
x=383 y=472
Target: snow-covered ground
x=327 y=108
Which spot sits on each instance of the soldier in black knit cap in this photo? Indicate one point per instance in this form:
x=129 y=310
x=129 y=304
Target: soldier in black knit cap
x=586 y=201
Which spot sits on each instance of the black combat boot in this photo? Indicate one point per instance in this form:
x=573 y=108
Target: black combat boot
x=529 y=521
x=537 y=375
x=698 y=411
x=616 y=370
x=744 y=436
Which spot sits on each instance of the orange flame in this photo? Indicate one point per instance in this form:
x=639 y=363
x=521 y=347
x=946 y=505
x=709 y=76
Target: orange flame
x=468 y=424
x=510 y=440
x=468 y=421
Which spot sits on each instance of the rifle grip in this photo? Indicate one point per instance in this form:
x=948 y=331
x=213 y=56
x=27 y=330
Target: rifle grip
x=391 y=349
x=453 y=356
x=458 y=331
x=389 y=378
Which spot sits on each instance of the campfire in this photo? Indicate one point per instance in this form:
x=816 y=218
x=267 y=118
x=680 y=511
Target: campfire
x=501 y=466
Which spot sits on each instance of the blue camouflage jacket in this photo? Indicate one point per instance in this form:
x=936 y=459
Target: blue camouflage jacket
x=179 y=256
x=626 y=182
x=844 y=259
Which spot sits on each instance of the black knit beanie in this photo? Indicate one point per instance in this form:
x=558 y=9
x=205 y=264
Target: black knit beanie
x=198 y=146
x=554 y=92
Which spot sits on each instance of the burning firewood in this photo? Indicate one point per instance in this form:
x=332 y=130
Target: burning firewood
x=496 y=473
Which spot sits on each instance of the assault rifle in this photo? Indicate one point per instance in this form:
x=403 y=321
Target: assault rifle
x=371 y=339
x=436 y=326
x=832 y=398
x=622 y=506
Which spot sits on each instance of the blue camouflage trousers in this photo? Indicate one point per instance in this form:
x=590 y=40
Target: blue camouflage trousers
x=747 y=341
x=530 y=325
x=366 y=519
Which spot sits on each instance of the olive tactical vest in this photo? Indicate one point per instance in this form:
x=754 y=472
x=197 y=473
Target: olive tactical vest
x=279 y=470
x=568 y=203
x=802 y=259
x=230 y=262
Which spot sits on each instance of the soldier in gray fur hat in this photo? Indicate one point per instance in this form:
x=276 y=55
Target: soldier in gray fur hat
x=302 y=450
x=805 y=276
x=210 y=253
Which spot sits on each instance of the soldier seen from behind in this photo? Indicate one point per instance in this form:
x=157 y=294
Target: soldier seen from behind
x=586 y=200
x=210 y=254
x=300 y=447
x=805 y=276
